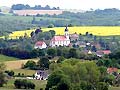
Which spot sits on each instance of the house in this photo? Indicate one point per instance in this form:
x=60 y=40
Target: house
x=40 y=45
x=97 y=45
x=74 y=37
x=62 y=40
x=100 y=53
x=41 y=75
x=106 y=52
x=81 y=44
x=112 y=70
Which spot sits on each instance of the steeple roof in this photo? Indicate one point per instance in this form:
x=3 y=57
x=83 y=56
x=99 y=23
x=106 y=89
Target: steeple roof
x=66 y=29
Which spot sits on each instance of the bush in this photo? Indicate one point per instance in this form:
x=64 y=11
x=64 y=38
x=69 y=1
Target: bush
x=20 y=84
x=51 y=26
x=102 y=86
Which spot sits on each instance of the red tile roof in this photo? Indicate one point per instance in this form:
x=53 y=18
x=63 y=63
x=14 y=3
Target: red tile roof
x=111 y=70
x=58 y=38
x=39 y=43
x=106 y=52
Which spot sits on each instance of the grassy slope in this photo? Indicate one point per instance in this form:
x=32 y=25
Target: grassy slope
x=24 y=71
x=27 y=18
x=4 y=58
x=114 y=88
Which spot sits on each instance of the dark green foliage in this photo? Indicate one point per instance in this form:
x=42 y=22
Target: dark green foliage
x=73 y=53
x=43 y=63
x=72 y=74
x=10 y=73
x=3 y=79
x=30 y=65
x=102 y=86
x=36 y=7
x=51 y=26
x=24 y=84
x=60 y=59
x=52 y=52
x=52 y=33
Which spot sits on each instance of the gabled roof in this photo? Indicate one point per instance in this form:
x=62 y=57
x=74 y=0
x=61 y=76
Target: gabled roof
x=74 y=35
x=104 y=51
x=58 y=38
x=111 y=70
x=39 y=43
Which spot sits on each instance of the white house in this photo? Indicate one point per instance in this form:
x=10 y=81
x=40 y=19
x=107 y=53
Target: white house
x=41 y=75
x=40 y=45
x=62 y=40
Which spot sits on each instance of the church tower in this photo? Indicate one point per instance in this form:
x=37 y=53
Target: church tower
x=66 y=33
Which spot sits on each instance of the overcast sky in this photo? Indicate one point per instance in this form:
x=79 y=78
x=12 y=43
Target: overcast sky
x=67 y=4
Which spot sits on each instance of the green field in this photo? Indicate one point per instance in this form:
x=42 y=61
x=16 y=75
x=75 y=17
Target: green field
x=24 y=71
x=4 y=58
x=114 y=88
x=27 y=18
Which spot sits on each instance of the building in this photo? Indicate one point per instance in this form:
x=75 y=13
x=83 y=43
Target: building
x=100 y=53
x=112 y=70
x=62 y=40
x=41 y=75
x=40 y=45
x=74 y=37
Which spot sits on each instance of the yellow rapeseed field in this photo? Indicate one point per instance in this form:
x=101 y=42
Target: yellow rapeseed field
x=95 y=30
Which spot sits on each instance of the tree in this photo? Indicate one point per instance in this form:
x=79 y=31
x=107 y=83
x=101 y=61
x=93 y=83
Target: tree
x=52 y=52
x=60 y=59
x=73 y=53
x=2 y=75
x=102 y=86
x=44 y=63
x=30 y=65
x=71 y=73
x=57 y=78
x=51 y=26
x=94 y=49
x=11 y=73
x=23 y=83
x=38 y=31
x=52 y=33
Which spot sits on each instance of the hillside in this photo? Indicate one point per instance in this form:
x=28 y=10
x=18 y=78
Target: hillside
x=4 y=58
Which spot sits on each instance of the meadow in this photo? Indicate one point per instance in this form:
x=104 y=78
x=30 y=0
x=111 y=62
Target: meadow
x=95 y=30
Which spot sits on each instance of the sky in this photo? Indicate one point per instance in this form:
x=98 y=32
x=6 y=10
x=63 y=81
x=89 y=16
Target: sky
x=67 y=4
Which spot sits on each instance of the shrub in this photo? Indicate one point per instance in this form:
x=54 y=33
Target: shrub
x=20 y=84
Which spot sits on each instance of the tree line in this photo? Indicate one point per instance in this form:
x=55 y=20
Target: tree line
x=36 y=7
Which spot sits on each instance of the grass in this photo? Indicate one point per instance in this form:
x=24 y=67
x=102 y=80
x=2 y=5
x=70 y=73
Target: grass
x=10 y=85
x=25 y=72
x=27 y=18
x=4 y=58
x=114 y=88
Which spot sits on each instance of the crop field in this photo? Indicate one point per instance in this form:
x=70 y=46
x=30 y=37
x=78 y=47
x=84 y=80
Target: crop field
x=12 y=65
x=95 y=30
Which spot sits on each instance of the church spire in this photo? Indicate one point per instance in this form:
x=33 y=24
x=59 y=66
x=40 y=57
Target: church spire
x=66 y=29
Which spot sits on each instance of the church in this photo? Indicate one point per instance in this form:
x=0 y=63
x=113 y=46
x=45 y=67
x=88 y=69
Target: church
x=61 y=40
